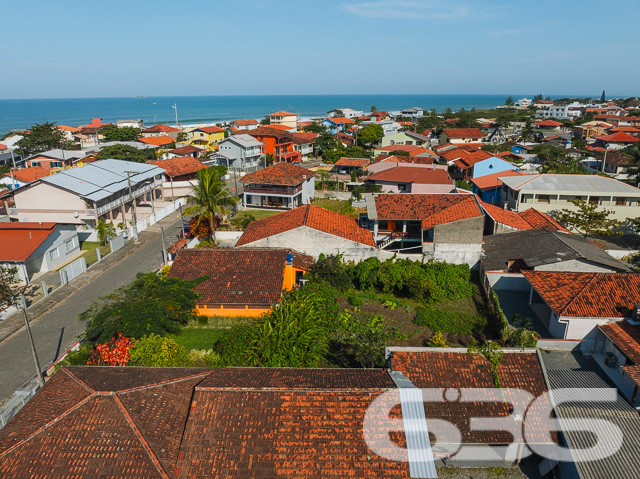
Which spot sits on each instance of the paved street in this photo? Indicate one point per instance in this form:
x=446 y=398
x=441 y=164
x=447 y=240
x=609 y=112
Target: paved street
x=56 y=329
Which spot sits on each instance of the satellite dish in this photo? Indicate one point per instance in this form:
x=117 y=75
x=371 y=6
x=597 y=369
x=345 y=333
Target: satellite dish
x=75 y=214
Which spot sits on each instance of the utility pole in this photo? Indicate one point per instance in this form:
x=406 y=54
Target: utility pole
x=164 y=247
x=604 y=161
x=175 y=107
x=173 y=198
x=22 y=304
x=133 y=208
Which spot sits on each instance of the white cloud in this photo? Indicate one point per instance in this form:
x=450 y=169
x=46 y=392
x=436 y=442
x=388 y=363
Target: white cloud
x=410 y=10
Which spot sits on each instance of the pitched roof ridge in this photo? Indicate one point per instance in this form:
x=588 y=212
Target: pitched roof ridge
x=306 y=215
x=78 y=380
x=162 y=383
x=50 y=423
x=145 y=444
x=579 y=293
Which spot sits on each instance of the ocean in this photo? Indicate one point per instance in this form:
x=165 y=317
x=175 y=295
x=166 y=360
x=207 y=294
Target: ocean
x=17 y=114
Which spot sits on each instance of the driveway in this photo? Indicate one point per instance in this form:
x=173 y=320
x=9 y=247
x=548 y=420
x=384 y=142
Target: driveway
x=56 y=329
x=517 y=302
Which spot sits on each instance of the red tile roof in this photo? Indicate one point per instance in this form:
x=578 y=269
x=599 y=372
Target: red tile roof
x=282 y=113
x=312 y=217
x=185 y=150
x=18 y=241
x=492 y=181
x=303 y=138
x=620 y=137
x=506 y=217
x=431 y=209
x=237 y=276
x=269 y=131
x=359 y=162
x=454 y=370
x=340 y=120
x=161 y=129
x=245 y=122
x=418 y=160
x=463 y=132
x=591 y=295
x=157 y=140
x=409 y=174
x=279 y=174
x=211 y=129
x=538 y=219
x=179 y=166
x=626 y=336
x=626 y=129
x=548 y=123
x=283 y=128
x=71 y=129
x=407 y=148
x=27 y=175
x=3 y=147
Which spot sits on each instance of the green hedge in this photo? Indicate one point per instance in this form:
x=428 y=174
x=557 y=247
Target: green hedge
x=449 y=321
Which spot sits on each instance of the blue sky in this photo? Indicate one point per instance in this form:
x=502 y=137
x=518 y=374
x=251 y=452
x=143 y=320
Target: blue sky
x=123 y=48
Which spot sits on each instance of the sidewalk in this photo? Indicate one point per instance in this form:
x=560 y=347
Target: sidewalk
x=15 y=321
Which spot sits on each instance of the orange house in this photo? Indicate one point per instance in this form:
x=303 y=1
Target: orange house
x=242 y=282
x=277 y=142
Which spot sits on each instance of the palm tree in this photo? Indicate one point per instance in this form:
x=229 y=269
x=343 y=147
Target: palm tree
x=324 y=176
x=210 y=199
x=633 y=154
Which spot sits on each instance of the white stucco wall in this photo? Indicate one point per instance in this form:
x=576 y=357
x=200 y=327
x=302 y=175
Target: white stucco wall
x=44 y=202
x=576 y=265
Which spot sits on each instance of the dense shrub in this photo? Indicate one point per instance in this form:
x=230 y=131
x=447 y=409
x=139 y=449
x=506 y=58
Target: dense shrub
x=354 y=300
x=432 y=282
x=449 y=321
x=158 y=351
x=332 y=270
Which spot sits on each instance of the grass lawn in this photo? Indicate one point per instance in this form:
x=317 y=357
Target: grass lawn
x=90 y=247
x=259 y=214
x=201 y=339
x=338 y=206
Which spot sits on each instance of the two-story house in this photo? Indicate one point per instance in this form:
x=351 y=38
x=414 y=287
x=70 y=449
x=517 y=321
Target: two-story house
x=278 y=186
x=276 y=142
x=241 y=151
x=457 y=136
x=243 y=125
x=207 y=137
x=284 y=118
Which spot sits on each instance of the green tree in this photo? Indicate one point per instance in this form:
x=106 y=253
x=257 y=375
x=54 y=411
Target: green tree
x=428 y=122
x=509 y=101
x=492 y=352
x=113 y=133
x=373 y=108
x=210 y=199
x=106 y=230
x=331 y=270
x=149 y=304
x=527 y=131
x=268 y=160
x=127 y=153
x=43 y=137
x=589 y=220
x=633 y=153
x=602 y=97
x=324 y=177
x=158 y=351
x=370 y=135
x=8 y=276
x=315 y=128
x=538 y=97
x=182 y=137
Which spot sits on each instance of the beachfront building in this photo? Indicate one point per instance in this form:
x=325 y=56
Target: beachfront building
x=206 y=137
x=279 y=186
x=276 y=142
x=240 y=151
x=284 y=118
x=345 y=112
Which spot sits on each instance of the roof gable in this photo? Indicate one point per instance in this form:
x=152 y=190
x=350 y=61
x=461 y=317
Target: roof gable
x=463 y=132
x=18 y=241
x=279 y=174
x=431 y=209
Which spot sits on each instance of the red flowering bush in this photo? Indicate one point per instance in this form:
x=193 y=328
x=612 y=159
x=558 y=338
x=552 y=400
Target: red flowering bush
x=115 y=352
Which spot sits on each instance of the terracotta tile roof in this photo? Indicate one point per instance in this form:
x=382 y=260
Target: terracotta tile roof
x=157 y=140
x=282 y=113
x=283 y=128
x=179 y=166
x=310 y=216
x=71 y=129
x=626 y=336
x=185 y=150
x=359 y=162
x=211 y=129
x=380 y=114
x=492 y=181
x=454 y=370
x=471 y=147
x=246 y=122
x=408 y=174
x=303 y=138
x=407 y=148
x=620 y=137
x=279 y=174
x=431 y=209
x=3 y=147
x=18 y=241
x=506 y=217
x=463 y=132
x=538 y=219
x=178 y=245
x=237 y=276
x=626 y=129
x=27 y=175
x=418 y=160
x=338 y=120
x=633 y=372
x=548 y=123
x=269 y=131
x=161 y=129
x=591 y=295
x=453 y=154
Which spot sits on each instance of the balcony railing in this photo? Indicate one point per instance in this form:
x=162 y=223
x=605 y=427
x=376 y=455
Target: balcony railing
x=126 y=198
x=272 y=190
x=13 y=211
x=90 y=212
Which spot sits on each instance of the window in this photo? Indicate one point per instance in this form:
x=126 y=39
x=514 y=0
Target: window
x=53 y=254
x=594 y=200
x=543 y=198
x=69 y=245
x=621 y=202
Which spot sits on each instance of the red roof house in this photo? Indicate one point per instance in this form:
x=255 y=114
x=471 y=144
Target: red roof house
x=407 y=179
x=461 y=135
x=282 y=185
x=182 y=168
x=160 y=141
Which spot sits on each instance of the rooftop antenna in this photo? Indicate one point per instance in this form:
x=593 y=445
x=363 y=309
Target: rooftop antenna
x=175 y=107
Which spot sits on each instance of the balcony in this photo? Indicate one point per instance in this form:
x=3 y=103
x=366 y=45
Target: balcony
x=272 y=190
